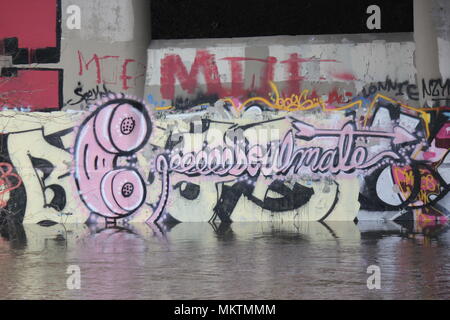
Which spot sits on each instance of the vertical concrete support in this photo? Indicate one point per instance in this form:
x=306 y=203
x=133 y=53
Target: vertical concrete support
x=427 y=54
x=64 y=54
x=109 y=49
x=441 y=20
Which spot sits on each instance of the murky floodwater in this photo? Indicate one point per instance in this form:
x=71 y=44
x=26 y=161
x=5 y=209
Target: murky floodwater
x=237 y=261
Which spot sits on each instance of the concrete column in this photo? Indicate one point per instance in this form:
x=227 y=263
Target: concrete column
x=427 y=53
x=117 y=33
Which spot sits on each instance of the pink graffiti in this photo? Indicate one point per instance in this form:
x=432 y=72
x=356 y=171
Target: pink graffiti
x=443 y=137
x=129 y=69
x=237 y=158
x=283 y=157
x=118 y=128
x=306 y=131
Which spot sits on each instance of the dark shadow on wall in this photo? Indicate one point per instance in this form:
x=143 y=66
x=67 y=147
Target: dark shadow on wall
x=189 y=19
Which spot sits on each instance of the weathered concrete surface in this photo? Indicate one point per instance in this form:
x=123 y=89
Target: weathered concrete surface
x=108 y=51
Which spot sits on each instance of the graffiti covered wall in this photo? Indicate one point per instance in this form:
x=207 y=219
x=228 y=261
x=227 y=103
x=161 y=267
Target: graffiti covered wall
x=326 y=130
x=273 y=129
x=60 y=54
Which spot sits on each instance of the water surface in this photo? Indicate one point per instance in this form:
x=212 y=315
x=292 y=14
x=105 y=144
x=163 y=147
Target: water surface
x=225 y=261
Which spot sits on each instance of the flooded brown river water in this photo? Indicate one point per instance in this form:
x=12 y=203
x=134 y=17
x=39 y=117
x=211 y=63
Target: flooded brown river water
x=227 y=261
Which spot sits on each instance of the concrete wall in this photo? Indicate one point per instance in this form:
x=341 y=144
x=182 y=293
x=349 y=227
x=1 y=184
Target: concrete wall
x=332 y=127
x=106 y=54
x=48 y=66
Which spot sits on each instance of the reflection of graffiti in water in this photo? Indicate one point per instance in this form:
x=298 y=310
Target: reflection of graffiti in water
x=120 y=238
